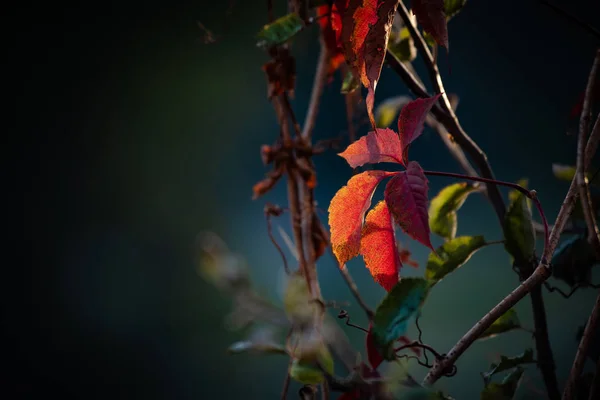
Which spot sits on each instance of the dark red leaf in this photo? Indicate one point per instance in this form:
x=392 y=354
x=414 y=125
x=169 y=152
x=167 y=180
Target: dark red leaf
x=383 y=146
x=329 y=18
x=366 y=26
x=378 y=247
x=431 y=16
x=411 y=120
x=406 y=197
x=347 y=211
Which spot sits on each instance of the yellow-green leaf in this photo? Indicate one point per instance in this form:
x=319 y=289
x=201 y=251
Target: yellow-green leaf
x=402 y=45
x=507 y=363
x=505 y=390
x=519 y=234
x=443 y=207
x=453 y=7
x=279 y=31
x=450 y=256
x=350 y=83
x=387 y=111
x=507 y=322
x=307 y=371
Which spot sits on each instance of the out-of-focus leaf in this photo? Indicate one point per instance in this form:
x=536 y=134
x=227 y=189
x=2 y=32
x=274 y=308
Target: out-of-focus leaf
x=443 y=207
x=378 y=247
x=393 y=313
x=573 y=260
x=281 y=74
x=380 y=146
x=519 y=233
x=366 y=27
x=431 y=15
x=453 y=7
x=261 y=340
x=279 y=31
x=507 y=363
x=567 y=173
x=450 y=256
x=505 y=390
x=402 y=45
x=406 y=197
x=507 y=322
x=218 y=265
x=350 y=83
x=307 y=371
x=298 y=303
x=387 y=111
x=346 y=213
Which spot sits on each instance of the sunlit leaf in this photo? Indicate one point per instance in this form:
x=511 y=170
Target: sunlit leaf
x=443 y=207
x=573 y=260
x=505 y=390
x=567 y=173
x=431 y=15
x=378 y=247
x=375 y=147
x=387 y=111
x=347 y=210
x=507 y=322
x=411 y=120
x=451 y=255
x=328 y=17
x=393 y=313
x=507 y=363
x=518 y=228
x=406 y=197
x=279 y=31
x=366 y=29
x=402 y=45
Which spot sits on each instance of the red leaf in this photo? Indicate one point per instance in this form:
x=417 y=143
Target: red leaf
x=411 y=120
x=383 y=146
x=406 y=197
x=347 y=211
x=378 y=247
x=375 y=358
x=432 y=17
x=330 y=19
x=366 y=26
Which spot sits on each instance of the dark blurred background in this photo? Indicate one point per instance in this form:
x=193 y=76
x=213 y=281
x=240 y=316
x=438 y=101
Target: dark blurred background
x=132 y=136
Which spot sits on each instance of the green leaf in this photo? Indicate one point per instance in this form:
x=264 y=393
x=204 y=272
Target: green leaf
x=450 y=256
x=307 y=371
x=453 y=7
x=507 y=363
x=505 y=390
x=507 y=322
x=567 y=173
x=387 y=111
x=279 y=31
x=573 y=260
x=392 y=315
x=350 y=83
x=518 y=228
x=246 y=346
x=402 y=45
x=443 y=207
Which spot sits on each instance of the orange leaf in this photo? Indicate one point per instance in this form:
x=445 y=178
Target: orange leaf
x=378 y=246
x=432 y=17
x=406 y=196
x=383 y=146
x=366 y=26
x=347 y=211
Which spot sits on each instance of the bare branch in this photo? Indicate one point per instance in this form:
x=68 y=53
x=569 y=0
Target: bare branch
x=317 y=91
x=584 y=191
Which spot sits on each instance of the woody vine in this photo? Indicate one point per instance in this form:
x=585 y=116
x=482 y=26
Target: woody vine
x=357 y=38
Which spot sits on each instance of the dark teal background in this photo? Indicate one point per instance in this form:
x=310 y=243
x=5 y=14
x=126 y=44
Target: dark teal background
x=132 y=136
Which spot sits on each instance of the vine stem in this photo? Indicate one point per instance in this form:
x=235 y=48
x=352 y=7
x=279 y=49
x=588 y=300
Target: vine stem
x=529 y=193
x=539 y=275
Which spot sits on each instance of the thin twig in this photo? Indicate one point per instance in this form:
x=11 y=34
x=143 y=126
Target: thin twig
x=541 y=273
x=286 y=382
x=354 y=289
x=317 y=91
x=270 y=233
x=582 y=350
x=584 y=191
x=448 y=117
x=573 y=18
